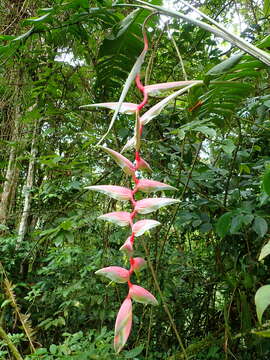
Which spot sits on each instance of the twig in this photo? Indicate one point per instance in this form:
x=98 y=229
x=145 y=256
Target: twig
x=177 y=208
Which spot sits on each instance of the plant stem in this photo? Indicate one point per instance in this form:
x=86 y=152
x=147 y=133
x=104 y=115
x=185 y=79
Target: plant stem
x=165 y=306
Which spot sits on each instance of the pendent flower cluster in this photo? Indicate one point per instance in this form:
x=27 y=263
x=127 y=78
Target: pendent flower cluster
x=122 y=218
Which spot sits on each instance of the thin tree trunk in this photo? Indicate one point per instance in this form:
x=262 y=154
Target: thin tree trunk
x=27 y=188
x=11 y=170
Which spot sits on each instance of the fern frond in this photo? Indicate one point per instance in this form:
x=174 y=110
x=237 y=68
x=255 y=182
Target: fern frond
x=24 y=318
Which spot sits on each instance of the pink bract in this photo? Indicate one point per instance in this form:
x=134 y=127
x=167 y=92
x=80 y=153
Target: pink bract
x=123 y=325
x=139 y=264
x=121 y=218
x=149 y=205
x=142 y=295
x=127 y=247
x=143 y=165
x=147 y=186
x=114 y=273
x=116 y=192
x=126 y=108
x=141 y=226
x=122 y=161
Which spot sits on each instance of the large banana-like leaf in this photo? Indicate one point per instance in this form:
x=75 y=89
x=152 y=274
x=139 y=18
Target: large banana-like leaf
x=218 y=30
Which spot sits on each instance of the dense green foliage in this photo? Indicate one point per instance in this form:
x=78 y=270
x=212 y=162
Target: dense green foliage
x=212 y=143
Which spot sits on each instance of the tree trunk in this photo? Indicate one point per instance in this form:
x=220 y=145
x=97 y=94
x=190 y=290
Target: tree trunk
x=11 y=170
x=27 y=188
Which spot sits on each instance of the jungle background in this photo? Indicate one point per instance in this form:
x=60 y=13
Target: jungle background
x=212 y=143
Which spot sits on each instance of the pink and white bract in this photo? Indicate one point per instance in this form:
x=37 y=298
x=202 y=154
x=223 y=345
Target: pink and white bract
x=141 y=295
x=139 y=264
x=127 y=247
x=114 y=273
x=141 y=226
x=121 y=160
x=123 y=325
x=147 y=186
x=126 y=108
x=116 y=192
x=121 y=218
x=149 y=205
x=143 y=165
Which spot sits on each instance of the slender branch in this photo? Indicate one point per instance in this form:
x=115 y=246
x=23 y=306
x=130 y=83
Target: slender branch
x=165 y=306
x=177 y=208
x=232 y=165
x=152 y=57
x=178 y=53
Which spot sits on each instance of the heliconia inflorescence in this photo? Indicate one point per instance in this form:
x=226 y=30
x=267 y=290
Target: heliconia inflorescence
x=122 y=218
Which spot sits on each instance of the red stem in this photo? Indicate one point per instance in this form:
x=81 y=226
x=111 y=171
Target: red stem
x=141 y=88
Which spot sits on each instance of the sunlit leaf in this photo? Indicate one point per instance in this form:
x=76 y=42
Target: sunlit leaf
x=225 y=65
x=265 y=251
x=263 y=333
x=37 y=19
x=266 y=7
x=262 y=300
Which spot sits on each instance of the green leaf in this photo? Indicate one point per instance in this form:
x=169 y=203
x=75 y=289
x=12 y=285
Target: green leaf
x=237 y=222
x=244 y=168
x=134 y=352
x=5 y=302
x=263 y=333
x=248 y=219
x=266 y=182
x=125 y=24
x=223 y=224
x=228 y=146
x=265 y=251
x=206 y=131
x=129 y=81
x=41 y=351
x=266 y=7
x=37 y=19
x=53 y=349
x=262 y=300
x=225 y=65
x=267 y=103
x=25 y=35
x=260 y=226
